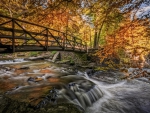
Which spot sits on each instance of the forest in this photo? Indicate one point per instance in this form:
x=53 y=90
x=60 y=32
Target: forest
x=111 y=75
x=117 y=28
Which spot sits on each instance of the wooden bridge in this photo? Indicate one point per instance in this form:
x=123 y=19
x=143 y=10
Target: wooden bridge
x=19 y=36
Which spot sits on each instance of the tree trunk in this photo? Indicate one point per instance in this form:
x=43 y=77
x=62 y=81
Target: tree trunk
x=95 y=39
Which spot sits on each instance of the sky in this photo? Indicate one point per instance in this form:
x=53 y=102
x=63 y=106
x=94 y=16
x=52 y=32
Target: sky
x=143 y=11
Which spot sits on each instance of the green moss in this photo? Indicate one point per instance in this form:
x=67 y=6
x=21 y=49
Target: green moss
x=101 y=68
x=53 y=52
x=35 y=53
x=12 y=106
x=82 y=56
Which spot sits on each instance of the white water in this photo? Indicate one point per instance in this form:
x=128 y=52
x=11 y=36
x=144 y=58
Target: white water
x=127 y=96
x=124 y=97
x=20 y=60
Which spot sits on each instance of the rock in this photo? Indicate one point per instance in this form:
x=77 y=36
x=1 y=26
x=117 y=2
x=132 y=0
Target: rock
x=8 y=105
x=91 y=65
x=63 y=62
x=50 y=98
x=56 y=55
x=20 y=55
x=72 y=63
x=25 y=67
x=37 y=58
x=38 y=79
x=30 y=79
x=108 y=77
x=148 y=71
x=90 y=72
x=7 y=68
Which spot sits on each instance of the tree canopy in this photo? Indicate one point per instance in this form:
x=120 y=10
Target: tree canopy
x=113 y=25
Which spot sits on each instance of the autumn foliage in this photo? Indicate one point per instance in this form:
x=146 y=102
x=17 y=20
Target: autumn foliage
x=131 y=39
x=111 y=26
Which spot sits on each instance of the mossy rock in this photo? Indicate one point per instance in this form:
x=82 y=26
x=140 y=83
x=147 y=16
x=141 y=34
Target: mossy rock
x=8 y=105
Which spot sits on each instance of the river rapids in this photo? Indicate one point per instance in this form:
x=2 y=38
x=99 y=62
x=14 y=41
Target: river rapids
x=34 y=83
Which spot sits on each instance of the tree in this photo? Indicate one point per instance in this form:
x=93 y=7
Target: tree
x=132 y=38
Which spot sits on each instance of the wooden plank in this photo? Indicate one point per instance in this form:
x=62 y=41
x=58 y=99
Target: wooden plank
x=21 y=31
x=19 y=37
x=13 y=36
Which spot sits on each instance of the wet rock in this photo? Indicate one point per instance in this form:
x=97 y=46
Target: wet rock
x=90 y=72
x=5 y=68
x=148 y=71
x=50 y=98
x=72 y=63
x=8 y=105
x=30 y=79
x=63 y=62
x=24 y=67
x=108 y=77
x=91 y=65
x=36 y=58
x=38 y=79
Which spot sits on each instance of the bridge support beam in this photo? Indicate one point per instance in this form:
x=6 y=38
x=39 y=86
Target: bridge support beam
x=13 y=35
x=74 y=43
x=64 y=41
x=46 y=40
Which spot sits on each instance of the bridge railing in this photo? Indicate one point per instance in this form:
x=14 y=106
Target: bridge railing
x=19 y=35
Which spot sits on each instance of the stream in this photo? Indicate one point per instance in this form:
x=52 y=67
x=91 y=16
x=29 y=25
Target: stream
x=42 y=82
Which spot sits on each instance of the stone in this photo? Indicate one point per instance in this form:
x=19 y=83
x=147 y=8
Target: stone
x=8 y=105
x=63 y=62
x=90 y=72
x=25 y=67
x=56 y=55
x=91 y=65
x=30 y=79
x=38 y=79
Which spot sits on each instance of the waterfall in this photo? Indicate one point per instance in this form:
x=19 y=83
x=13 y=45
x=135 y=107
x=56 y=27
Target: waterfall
x=85 y=98
x=86 y=75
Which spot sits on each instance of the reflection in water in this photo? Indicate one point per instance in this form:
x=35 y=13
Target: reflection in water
x=33 y=82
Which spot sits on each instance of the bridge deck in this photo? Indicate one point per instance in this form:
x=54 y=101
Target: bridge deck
x=18 y=36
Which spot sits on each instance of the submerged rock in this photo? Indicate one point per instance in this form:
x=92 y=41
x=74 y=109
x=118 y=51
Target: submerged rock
x=108 y=77
x=63 y=62
x=36 y=79
x=90 y=72
x=24 y=67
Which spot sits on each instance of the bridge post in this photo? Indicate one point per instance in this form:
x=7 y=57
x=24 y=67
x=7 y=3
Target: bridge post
x=46 y=40
x=81 y=46
x=13 y=35
x=86 y=47
x=64 y=41
x=74 y=42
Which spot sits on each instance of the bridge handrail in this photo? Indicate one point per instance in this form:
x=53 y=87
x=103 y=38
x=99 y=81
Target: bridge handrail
x=73 y=43
x=38 y=25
